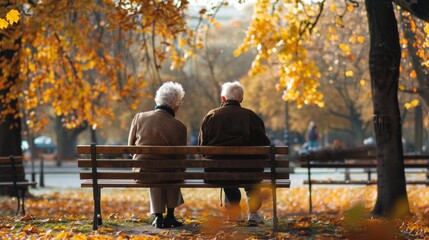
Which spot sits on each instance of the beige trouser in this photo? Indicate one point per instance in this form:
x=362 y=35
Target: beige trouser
x=160 y=198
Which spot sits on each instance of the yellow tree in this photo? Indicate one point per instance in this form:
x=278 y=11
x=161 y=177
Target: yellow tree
x=414 y=70
x=65 y=57
x=279 y=30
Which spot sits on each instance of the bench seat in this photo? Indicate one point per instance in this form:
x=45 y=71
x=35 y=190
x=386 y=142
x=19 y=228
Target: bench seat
x=98 y=173
x=185 y=184
x=12 y=176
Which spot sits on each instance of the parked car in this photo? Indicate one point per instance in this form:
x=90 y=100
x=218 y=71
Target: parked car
x=44 y=147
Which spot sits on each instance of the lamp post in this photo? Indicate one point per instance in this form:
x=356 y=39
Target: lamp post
x=286 y=129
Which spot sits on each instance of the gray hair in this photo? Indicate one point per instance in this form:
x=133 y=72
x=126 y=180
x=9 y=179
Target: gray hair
x=169 y=94
x=232 y=91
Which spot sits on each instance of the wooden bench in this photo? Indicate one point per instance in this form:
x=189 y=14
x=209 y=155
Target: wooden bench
x=117 y=173
x=347 y=159
x=12 y=177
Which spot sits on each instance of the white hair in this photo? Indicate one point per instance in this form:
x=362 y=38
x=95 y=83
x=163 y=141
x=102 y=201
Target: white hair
x=169 y=94
x=232 y=91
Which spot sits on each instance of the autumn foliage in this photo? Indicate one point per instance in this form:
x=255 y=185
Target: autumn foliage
x=340 y=213
x=11 y=17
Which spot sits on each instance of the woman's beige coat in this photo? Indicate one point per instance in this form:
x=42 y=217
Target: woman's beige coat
x=160 y=128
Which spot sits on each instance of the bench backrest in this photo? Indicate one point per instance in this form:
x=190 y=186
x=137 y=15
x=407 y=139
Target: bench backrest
x=11 y=169
x=169 y=168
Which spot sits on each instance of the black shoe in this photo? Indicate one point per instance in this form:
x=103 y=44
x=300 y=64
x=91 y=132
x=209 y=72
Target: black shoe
x=157 y=222
x=172 y=222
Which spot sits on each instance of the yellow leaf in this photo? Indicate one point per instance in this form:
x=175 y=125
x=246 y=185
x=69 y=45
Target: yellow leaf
x=361 y=39
x=3 y=23
x=349 y=73
x=182 y=43
x=61 y=227
x=62 y=235
x=79 y=237
x=362 y=82
x=333 y=7
x=350 y=8
x=344 y=47
x=413 y=74
x=408 y=105
x=426 y=29
x=12 y=16
x=415 y=103
x=401 y=87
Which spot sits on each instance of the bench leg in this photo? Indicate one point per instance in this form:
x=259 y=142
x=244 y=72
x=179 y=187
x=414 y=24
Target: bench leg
x=275 y=219
x=23 y=191
x=97 y=208
x=18 y=200
x=310 y=201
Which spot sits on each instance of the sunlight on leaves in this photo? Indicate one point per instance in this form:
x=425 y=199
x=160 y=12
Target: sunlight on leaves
x=12 y=16
x=3 y=23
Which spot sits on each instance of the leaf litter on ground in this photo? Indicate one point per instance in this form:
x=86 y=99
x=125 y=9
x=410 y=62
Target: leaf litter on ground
x=338 y=213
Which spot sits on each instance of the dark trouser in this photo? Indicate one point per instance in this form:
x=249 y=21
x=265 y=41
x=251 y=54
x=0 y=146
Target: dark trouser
x=233 y=198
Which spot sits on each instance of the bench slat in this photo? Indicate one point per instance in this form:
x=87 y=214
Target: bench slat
x=20 y=184
x=283 y=183
x=358 y=182
x=164 y=176
x=358 y=165
x=164 y=163
x=218 y=150
x=8 y=177
x=6 y=160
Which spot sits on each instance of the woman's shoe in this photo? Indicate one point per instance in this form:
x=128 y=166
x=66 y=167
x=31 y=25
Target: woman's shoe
x=158 y=222
x=171 y=222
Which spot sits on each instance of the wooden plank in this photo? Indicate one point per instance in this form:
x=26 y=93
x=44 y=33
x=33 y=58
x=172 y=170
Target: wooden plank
x=359 y=182
x=340 y=182
x=339 y=154
x=185 y=184
x=8 y=177
x=357 y=165
x=174 y=176
x=164 y=163
x=6 y=160
x=181 y=150
x=416 y=157
x=20 y=184
x=338 y=165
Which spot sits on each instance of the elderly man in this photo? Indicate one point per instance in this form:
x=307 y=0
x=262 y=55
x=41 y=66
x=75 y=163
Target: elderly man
x=160 y=127
x=232 y=125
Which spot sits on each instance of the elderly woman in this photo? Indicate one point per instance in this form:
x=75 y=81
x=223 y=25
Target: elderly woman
x=160 y=127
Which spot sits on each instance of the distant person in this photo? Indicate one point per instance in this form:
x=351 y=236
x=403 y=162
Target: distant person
x=160 y=127
x=312 y=136
x=232 y=125
x=336 y=145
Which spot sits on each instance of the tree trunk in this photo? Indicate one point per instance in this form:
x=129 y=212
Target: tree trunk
x=10 y=128
x=384 y=61
x=418 y=129
x=66 y=140
x=10 y=125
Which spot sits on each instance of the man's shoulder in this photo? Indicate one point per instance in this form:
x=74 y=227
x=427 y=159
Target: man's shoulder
x=180 y=124
x=144 y=114
x=212 y=112
x=250 y=112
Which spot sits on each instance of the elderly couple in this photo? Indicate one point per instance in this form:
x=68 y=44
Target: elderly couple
x=227 y=125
